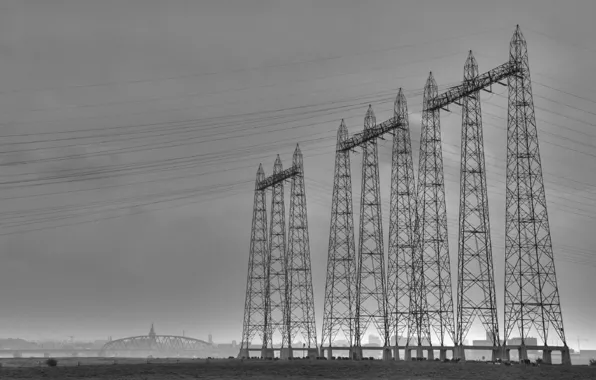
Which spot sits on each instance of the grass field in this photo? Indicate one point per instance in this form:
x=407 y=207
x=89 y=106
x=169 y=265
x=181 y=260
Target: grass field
x=137 y=369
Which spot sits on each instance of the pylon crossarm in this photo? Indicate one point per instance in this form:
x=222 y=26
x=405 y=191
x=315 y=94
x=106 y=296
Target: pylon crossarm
x=274 y=179
x=470 y=87
x=361 y=138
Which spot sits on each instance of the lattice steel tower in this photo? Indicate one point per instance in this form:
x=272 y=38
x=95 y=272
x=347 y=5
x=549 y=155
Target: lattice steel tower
x=255 y=305
x=475 y=282
x=531 y=294
x=371 y=298
x=432 y=226
x=277 y=273
x=402 y=218
x=340 y=286
x=300 y=307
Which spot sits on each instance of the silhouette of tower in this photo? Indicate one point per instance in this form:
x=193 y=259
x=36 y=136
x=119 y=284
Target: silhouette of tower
x=371 y=298
x=152 y=333
x=402 y=218
x=338 y=315
x=531 y=294
x=432 y=225
x=476 y=285
x=276 y=264
x=255 y=305
x=300 y=307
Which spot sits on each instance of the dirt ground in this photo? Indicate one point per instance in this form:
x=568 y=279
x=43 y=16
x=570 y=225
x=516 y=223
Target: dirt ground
x=139 y=369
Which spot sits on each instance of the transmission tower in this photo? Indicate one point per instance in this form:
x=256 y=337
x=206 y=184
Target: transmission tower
x=300 y=307
x=531 y=295
x=338 y=315
x=432 y=224
x=402 y=218
x=371 y=298
x=255 y=304
x=277 y=273
x=476 y=285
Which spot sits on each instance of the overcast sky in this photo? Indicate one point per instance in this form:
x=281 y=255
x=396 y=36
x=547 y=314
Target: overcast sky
x=131 y=132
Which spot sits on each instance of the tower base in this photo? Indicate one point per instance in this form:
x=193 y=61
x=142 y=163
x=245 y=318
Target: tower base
x=547 y=357
x=442 y=354
x=408 y=354
x=313 y=353
x=566 y=356
x=267 y=353
x=285 y=353
x=387 y=354
x=244 y=354
x=356 y=353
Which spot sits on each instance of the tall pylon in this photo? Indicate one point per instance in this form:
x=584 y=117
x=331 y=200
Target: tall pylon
x=300 y=305
x=277 y=265
x=475 y=282
x=255 y=305
x=432 y=224
x=340 y=283
x=402 y=218
x=371 y=296
x=532 y=302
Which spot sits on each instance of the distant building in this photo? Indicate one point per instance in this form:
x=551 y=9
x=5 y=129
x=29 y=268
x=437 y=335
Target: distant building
x=341 y=343
x=517 y=341
x=374 y=340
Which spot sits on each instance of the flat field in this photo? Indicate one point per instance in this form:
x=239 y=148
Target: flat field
x=137 y=369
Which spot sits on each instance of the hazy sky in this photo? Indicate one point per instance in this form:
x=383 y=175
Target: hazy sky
x=131 y=132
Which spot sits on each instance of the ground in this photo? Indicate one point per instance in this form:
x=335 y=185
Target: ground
x=139 y=369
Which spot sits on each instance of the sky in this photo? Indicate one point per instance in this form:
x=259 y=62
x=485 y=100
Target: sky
x=131 y=132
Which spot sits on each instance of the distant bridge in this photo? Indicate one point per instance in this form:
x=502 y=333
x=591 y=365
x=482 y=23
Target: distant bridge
x=160 y=345
x=157 y=345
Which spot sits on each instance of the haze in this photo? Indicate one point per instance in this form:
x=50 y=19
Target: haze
x=132 y=131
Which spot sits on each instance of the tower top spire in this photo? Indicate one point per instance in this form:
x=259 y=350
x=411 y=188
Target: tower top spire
x=370 y=119
x=518 y=36
x=400 y=106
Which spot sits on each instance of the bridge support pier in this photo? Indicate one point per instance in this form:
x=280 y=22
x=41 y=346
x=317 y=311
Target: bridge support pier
x=522 y=352
x=314 y=353
x=396 y=353
x=496 y=353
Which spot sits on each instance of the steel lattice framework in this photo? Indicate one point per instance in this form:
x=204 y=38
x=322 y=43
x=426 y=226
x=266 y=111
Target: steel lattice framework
x=371 y=296
x=476 y=285
x=402 y=217
x=300 y=306
x=276 y=264
x=432 y=227
x=356 y=295
x=531 y=292
x=340 y=286
x=255 y=305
